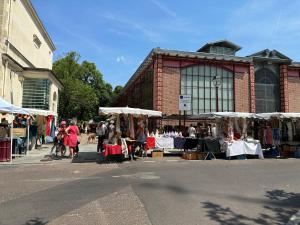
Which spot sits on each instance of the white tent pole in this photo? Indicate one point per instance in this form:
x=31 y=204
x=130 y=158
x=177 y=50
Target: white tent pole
x=11 y=139
x=28 y=122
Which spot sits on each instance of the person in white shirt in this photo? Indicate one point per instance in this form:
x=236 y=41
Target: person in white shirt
x=192 y=131
x=101 y=132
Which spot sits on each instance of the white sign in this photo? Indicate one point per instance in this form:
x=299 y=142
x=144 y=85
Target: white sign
x=185 y=102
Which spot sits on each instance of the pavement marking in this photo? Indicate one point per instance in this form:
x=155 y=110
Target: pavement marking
x=142 y=175
x=62 y=179
x=172 y=160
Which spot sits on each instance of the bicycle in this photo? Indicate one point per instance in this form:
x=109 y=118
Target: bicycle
x=59 y=147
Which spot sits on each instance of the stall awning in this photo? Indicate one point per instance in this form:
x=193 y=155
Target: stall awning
x=128 y=110
x=279 y=115
x=10 y=108
x=40 y=112
x=212 y=115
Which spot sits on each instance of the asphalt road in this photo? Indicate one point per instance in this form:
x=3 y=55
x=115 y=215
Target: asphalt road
x=163 y=192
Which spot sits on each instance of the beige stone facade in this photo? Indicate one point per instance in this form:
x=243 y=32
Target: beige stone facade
x=26 y=53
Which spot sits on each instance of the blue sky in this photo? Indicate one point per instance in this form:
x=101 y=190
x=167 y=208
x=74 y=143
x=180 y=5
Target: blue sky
x=117 y=35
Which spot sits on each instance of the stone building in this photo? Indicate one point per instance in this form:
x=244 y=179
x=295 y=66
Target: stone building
x=266 y=81
x=26 y=50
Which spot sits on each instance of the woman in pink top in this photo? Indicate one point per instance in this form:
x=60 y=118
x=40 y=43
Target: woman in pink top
x=72 y=132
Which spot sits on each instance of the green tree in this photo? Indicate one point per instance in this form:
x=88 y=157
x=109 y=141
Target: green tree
x=84 y=89
x=116 y=92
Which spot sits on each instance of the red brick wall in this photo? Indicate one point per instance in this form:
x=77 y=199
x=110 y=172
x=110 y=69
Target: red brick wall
x=157 y=83
x=284 y=93
x=294 y=94
x=171 y=90
x=252 y=89
x=242 y=92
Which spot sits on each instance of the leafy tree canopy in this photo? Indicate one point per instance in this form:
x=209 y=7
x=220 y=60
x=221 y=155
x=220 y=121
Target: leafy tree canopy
x=84 y=89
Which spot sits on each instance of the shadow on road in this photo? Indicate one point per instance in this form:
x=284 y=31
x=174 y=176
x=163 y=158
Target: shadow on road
x=280 y=205
x=36 y=221
x=170 y=187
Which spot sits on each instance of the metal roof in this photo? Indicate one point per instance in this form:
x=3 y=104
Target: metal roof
x=183 y=54
x=201 y=55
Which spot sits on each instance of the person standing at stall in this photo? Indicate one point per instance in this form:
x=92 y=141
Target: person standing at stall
x=72 y=132
x=140 y=140
x=101 y=131
x=192 y=131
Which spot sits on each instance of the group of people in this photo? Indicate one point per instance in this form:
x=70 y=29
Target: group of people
x=67 y=136
x=107 y=131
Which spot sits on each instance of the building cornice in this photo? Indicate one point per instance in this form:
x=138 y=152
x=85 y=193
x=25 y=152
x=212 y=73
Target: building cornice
x=28 y=5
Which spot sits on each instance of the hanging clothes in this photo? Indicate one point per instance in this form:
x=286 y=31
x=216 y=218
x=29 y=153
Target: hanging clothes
x=48 y=125
x=53 y=128
x=131 y=127
x=268 y=136
x=284 y=131
x=290 y=131
x=276 y=136
x=118 y=129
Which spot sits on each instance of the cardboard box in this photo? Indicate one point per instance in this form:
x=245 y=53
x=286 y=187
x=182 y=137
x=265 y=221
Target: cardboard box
x=157 y=154
x=201 y=155
x=19 y=132
x=190 y=155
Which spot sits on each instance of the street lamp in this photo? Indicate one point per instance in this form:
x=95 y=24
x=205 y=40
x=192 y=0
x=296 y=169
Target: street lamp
x=217 y=83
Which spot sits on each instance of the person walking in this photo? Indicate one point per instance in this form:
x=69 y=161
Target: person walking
x=33 y=135
x=101 y=131
x=72 y=132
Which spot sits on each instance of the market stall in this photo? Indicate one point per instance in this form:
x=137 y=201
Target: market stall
x=11 y=116
x=231 y=131
x=43 y=121
x=280 y=132
x=125 y=122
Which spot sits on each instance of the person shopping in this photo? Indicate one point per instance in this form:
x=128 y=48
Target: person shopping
x=140 y=141
x=72 y=132
x=101 y=131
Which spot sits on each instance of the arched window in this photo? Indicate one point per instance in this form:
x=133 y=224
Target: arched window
x=197 y=82
x=267 y=91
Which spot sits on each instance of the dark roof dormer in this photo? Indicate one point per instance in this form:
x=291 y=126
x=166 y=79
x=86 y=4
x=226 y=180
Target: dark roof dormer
x=268 y=55
x=223 y=47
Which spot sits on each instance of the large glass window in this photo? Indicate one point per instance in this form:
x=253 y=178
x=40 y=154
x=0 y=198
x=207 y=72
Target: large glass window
x=36 y=93
x=267 y=91
x=197 y=82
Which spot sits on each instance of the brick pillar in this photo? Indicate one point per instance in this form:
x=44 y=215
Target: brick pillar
x=284 y=95
x=158 y=85
x=252 y=88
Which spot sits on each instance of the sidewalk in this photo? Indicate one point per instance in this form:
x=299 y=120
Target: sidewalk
x=42 y=155
x=32 y=157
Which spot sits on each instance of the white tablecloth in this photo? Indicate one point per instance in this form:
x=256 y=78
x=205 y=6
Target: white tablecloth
x=243 y=147
x=164 y=142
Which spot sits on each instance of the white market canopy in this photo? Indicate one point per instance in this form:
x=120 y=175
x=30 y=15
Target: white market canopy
x=213 y=115
x=128 y=110
x=266 y=116
x=40 y=112
x=279 y=115
x=10 y=108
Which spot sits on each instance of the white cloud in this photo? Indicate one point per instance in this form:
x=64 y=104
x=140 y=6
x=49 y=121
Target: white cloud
x=121 y=59
x=164 y=8
x=266 y=24
x=145 y=30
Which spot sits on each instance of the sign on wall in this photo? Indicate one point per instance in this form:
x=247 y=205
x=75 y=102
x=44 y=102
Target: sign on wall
x=185 y=102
